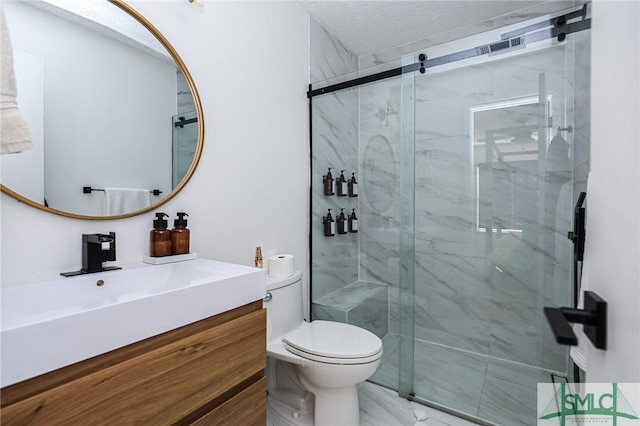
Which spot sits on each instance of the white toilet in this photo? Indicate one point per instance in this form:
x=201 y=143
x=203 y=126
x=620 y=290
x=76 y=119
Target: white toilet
x=313 y=369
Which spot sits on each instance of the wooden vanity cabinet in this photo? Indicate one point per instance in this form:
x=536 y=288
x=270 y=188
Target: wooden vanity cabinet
x=206 y=373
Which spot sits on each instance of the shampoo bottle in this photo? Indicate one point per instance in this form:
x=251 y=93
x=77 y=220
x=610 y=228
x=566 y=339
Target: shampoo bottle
x=329 y=183
x=353 y=222
x=160 y=237
x=342 y=223
x=180 y=235
x=329 y=225
x=342 y=185
x=353 y=186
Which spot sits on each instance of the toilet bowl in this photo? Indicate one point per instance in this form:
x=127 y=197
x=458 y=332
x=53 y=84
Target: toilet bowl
x=323 y=358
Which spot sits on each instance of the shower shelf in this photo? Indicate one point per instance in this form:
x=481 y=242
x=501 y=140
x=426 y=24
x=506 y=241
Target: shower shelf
x=352 y=305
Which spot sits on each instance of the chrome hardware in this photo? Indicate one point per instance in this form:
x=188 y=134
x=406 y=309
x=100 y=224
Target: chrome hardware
x=268 y=297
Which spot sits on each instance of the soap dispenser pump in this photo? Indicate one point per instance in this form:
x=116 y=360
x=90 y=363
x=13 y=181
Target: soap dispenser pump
x=329 y=183
x=342 y=223
x=160 y=237
x=353 y=186
x=329 y=225
x=342 y=185
x=353 y=222
x=180 y=235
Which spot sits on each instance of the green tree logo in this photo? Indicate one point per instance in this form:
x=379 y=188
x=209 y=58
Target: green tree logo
x=565 y=404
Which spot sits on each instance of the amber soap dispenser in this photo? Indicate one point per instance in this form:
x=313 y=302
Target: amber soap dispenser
x=180 y=235
x=160 y=237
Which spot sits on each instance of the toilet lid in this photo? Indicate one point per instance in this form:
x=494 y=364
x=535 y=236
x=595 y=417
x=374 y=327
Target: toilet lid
x=326 y=340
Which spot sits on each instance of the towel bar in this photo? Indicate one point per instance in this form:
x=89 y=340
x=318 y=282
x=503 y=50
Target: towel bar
x=89 y=190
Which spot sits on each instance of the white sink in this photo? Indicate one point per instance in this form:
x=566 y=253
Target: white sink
x=51 y=324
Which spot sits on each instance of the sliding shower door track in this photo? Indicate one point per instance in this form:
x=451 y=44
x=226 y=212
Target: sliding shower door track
x=446 y=409
x=560 y=28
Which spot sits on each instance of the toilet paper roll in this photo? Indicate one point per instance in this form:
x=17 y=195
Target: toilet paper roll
x=281 y=265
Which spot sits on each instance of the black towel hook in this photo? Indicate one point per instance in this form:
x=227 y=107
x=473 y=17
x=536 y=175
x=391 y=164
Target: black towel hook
x=593 y=317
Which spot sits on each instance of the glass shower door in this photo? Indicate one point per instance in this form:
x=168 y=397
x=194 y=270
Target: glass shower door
x=407 y=283
x=494 y=186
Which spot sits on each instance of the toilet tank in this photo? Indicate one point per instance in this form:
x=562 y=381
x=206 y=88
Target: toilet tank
x=285 y=308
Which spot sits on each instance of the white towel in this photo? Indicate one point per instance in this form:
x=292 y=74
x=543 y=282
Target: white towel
x=14 y=131
x=125 y=200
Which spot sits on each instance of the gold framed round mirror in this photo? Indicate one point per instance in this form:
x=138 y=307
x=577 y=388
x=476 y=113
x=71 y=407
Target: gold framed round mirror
x=113 y=117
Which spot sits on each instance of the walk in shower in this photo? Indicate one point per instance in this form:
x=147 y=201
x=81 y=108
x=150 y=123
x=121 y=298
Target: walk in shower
x=469 y=157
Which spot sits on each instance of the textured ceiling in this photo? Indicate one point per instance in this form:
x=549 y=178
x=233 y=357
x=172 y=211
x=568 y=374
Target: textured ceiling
x=366 y=27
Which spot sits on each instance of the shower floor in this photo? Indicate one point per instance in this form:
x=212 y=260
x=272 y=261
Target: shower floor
x=491 y=389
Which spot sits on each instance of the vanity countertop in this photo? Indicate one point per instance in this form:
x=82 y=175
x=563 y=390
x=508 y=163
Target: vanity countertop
x=51 y=324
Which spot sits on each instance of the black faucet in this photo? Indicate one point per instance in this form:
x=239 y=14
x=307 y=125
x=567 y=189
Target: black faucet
x=96 y=249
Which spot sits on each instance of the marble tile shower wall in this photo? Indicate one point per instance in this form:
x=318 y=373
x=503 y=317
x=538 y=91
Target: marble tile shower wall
x=380 y=148
x=334 y=262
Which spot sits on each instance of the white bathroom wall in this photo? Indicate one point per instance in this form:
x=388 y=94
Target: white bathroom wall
x=250 y=63
x=613 y=212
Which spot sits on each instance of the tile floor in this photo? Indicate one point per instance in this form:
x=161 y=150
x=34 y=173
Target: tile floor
x=383 y=407
x=489 y=388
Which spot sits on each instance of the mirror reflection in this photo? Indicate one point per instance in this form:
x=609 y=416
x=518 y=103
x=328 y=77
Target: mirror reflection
x=112 y=119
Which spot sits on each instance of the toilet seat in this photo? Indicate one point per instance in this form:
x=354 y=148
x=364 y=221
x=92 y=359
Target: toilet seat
x=333 y=343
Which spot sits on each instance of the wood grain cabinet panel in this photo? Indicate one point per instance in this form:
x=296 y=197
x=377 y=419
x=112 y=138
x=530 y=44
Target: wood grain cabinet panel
x=247 y=408
x=164 y=385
